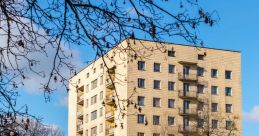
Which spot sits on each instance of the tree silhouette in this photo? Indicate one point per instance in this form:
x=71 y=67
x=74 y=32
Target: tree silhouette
x=30 y=27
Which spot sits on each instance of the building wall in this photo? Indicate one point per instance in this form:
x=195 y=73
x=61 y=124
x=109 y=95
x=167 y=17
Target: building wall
x=215 y=59
x=81 y=80
x=127 y=74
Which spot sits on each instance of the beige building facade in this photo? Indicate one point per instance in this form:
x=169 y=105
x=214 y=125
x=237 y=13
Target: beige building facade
x=146 y=88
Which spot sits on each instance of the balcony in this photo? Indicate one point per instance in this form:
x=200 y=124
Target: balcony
x=109 y=84
x=80 y=128
x=80 y=100
x=187 y=77
x=109 y=131
x=188 y=94
x=203 y=82
x=80 y=115
x=188 y=62
x=109 y=116
x=187 y=129
x=188 y=112
x=110 y=99
x=110 y=78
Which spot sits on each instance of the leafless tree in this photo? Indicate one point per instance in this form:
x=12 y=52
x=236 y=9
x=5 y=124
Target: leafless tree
x=36 y=128
x=30 y=27
x=205 y=126
x=12 y=125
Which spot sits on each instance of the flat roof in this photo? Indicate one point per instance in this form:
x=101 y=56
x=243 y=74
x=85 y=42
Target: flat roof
x=183 y=44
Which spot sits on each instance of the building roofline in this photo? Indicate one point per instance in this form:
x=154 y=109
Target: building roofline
x=184 y=44
x=151 y=41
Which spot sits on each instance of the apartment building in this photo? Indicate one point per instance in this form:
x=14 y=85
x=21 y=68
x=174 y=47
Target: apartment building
x=146 y=88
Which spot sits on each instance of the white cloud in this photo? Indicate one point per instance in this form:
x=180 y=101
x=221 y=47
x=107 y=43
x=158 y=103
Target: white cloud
x=33 y=84
x=253 y=115
x=63 y=101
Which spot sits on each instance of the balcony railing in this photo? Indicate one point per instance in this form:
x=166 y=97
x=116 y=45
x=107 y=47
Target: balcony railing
x=203 y=82
x=110 y=99
x=80 y=128
x=109 y=116
x=80 y=115
x=188 y=62
x=109 y=131
x=188 y=94
x=187 y=129
x=187 y=77
x=110 y=83
x=80 y=100
x=189 y=112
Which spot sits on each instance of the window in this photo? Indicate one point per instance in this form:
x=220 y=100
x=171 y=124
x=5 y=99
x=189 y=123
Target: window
x=186 y=70
x=157 y=84
x=87 y=75
x=200 y=88
x=157 y=67
x=94 y=115
x=87 y=88
x=101 y=65
x=228 y=91
x=101 y=112
x=214 y=107
x=156 y=102
x=171 y=68
x=94 y=131
x=214 y=124
x=86 y=133
x=86 y=103
x=214 y=90
x=214 y=73
x=140 y=134
x=201 y=57
x=141 y=100
x=228 y=108
x=101 y=128
x=93 y=99
x=170 y=135
x=229 y=125
x=156 y=120
x=86 y=118
x=228 y=74
x=141 y=65
x=200 y=123
x=156 y=134
x=93 y=84
x=171 y=85
x=171 y=53
x=141 y=118
x=101 y=79
x=94 y=71
x=171 y=103
x=200 y=71
x=101 y=95
x=170 y=121
x=200 y=106
x=141 y=83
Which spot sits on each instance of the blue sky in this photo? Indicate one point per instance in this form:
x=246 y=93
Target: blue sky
x=238 y=29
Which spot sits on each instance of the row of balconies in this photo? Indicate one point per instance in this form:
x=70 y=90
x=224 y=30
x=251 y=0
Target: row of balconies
x=110 y=101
